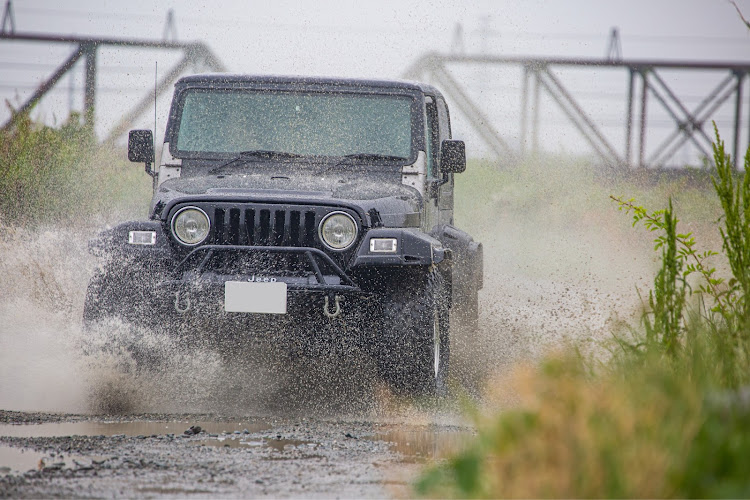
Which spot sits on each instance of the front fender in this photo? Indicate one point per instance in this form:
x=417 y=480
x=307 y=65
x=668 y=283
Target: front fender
x=115 y=242
x=467 y=256
x=413 y=248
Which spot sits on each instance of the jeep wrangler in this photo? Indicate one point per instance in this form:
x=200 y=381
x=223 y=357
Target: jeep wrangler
x=311 y=209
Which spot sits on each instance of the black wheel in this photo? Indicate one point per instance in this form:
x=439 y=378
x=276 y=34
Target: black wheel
x=115 y=309
x=414 y=351
x=100 y=301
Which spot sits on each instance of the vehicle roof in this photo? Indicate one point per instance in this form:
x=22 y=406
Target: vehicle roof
x=238 y=80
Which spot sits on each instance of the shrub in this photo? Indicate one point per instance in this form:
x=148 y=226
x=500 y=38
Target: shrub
x=61 y=174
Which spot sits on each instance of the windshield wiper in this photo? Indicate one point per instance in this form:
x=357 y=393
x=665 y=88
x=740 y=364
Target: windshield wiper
x=262 y=154
x=370 y=157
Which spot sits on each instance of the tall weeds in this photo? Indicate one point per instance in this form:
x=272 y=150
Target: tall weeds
x=735 y=233
x=53 y=175
x=38 y=165
x=667 y=416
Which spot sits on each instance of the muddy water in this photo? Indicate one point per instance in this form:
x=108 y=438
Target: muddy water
x=14 y=460
x=408 y=440
x=141 y=428
x=537 y=295
x=49 y=363
x=19 y=460
x=243 y=457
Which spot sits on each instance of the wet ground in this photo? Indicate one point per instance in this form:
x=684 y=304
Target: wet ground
x=65 y=455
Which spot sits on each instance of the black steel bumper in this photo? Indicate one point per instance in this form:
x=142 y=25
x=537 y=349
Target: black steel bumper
x=195 y=290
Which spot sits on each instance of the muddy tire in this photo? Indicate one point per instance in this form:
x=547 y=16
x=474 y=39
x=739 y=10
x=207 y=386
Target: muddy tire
x=100 y=301
x=113 y=303
x=414 y=351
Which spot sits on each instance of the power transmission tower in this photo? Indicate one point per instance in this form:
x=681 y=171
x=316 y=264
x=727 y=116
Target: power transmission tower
x=170 y=30
x=8 y=18
x=614 y=50
x=457 y=44
x=688 y=124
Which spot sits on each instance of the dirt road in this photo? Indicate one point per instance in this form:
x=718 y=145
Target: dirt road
x=65 y=455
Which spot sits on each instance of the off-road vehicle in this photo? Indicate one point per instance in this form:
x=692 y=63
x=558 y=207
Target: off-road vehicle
x=312 y=209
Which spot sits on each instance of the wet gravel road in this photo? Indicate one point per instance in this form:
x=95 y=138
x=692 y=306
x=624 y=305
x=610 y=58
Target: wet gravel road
x=60 y=455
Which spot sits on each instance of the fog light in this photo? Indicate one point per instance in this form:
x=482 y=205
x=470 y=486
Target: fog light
x=383 y=245
x=142 y=237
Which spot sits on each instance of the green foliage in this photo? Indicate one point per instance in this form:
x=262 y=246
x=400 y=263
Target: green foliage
x=680 y=259
x=667 y=416
x=667 y=299
x=617 y=435
x=644 y=426
x=717 y=464
x=37 y=166
x=59 y=174
x=735 y=233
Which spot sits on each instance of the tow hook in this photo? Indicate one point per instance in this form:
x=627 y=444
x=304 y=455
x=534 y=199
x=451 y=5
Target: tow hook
x=177 y=307
x=337 y=310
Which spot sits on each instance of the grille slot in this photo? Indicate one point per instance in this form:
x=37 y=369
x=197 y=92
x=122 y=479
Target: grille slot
x=234 y=226
x=294 y=228
x=250 y=226
x=266 y=226
x=219 y=226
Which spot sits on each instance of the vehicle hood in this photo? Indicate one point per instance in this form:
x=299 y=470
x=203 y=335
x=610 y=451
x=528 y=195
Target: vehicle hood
x=397 y=205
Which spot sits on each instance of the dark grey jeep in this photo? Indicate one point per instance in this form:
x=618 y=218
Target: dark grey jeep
x=313 y=211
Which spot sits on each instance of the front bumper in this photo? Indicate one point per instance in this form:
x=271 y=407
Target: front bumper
x=326 y=291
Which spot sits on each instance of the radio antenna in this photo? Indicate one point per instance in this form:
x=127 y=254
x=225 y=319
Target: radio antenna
x=153 y=136
x=156 y=72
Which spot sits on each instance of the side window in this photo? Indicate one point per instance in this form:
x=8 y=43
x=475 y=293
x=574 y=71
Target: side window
x=431 y=137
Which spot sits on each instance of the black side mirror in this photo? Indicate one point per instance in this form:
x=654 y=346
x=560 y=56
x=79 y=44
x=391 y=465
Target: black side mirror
x=452 y=157
x=141 y=148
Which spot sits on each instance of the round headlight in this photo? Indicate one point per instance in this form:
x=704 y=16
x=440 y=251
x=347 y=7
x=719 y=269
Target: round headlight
x=338 y=230
x=190 y=225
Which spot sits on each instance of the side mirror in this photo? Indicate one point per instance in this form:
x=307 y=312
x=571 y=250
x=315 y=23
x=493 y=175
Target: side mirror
x=141 y=148
x=453 y=157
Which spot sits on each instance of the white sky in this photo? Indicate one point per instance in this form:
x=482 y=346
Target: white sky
x=371 y=39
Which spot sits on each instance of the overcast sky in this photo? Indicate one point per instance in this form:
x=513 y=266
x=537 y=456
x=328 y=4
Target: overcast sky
x=347 y=38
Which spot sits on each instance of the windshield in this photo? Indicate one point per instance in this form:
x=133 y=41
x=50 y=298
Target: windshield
x=310 y=124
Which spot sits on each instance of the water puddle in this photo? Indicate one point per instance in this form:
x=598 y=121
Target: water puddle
x=19 y=460
x=173 y=492
x=140 y=428
x=244 y=441
x=414 y=443
x=420 y=443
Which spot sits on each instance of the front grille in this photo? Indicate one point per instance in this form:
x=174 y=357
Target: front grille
x=264 y=226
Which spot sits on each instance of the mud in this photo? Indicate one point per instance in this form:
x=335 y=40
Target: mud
x=41 y=455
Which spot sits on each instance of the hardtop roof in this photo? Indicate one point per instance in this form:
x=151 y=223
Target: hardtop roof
x=221 y=80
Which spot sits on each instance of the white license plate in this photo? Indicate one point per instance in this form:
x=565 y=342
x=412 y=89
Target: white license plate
x=250 y=297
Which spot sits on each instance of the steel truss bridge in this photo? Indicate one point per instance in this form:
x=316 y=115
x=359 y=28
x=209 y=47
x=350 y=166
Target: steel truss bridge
x=645 y=87
x=644 y=83
x=195 y=55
